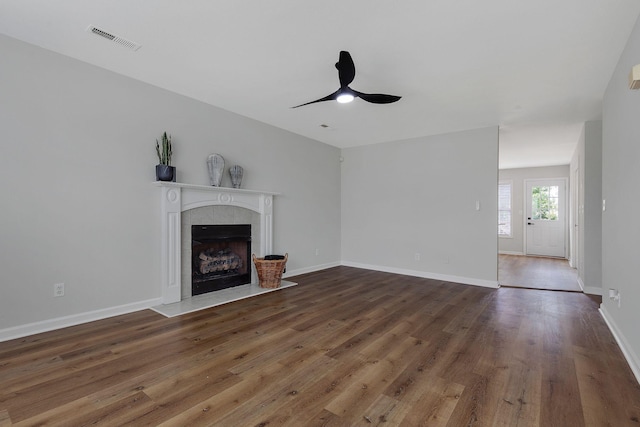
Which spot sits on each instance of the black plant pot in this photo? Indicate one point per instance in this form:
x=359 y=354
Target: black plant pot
x=165 y=173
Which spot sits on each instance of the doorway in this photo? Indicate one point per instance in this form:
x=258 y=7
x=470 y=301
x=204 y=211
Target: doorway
x=546 y=217
x=533 y=257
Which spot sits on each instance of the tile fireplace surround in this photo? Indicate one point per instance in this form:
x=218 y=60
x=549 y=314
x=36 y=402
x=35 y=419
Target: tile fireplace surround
x=177 y=198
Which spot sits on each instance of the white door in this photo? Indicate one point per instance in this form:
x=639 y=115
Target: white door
x=546 y=217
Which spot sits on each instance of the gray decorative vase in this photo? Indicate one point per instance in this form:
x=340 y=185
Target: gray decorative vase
x=236 y=175
x=215 y=163
x=165 y=173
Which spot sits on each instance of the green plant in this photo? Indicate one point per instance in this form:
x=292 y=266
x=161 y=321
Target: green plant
x=164 y=154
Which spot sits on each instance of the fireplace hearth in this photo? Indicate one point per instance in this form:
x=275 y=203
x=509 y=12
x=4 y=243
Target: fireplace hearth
x=221 y=257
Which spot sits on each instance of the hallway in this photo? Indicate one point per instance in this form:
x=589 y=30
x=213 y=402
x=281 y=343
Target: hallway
x=537 y=273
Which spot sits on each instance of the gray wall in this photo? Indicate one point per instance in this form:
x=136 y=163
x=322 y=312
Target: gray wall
x=515 y=244
x=76 y=172
x=620 y=181
x=419 y=196
x=587 y=237
x=593 y=207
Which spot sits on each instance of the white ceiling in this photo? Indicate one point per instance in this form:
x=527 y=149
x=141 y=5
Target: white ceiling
x=537 y=69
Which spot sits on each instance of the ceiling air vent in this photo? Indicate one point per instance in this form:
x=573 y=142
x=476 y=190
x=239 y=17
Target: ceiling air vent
x=112 y=37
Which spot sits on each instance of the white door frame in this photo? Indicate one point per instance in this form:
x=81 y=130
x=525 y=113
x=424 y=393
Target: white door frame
x=574 y=220
x=565 y=180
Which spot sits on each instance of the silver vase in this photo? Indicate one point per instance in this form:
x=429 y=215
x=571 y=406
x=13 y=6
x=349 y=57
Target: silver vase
x=215 y=163
x=236 y=175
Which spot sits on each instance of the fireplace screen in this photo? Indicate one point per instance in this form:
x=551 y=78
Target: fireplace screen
x=221 y=257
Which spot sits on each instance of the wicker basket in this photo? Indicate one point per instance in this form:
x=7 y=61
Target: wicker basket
x=270 y=271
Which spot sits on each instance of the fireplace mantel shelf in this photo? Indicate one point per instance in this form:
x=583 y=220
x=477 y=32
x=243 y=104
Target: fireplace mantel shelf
x=212 y=188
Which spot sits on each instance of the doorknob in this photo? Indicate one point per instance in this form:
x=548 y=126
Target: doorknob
x=530 y=223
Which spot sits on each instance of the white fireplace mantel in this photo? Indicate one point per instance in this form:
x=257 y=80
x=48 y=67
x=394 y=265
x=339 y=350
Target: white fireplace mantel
x=177 y=198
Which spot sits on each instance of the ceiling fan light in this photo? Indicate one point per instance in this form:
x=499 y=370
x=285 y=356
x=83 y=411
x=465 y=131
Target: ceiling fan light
x=344 y=98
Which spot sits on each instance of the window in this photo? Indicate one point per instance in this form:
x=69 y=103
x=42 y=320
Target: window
x=544 y=203
x=504 y=209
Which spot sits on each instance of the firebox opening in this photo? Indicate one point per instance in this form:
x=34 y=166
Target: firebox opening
x=221 y=257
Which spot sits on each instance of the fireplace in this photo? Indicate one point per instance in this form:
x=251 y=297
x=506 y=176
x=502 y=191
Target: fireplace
x=220 y=257
x=178 y=200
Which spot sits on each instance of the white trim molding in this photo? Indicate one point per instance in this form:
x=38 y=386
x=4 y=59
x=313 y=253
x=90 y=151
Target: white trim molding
x=176 y=198
x=593 y=290
x=310 y=269
x=426 y=275
x=632 y=358
x=74 y=319
x=511 y=253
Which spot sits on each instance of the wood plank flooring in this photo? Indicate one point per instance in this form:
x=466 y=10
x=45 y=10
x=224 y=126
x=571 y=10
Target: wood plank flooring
x=537 y=273
x=346 y=347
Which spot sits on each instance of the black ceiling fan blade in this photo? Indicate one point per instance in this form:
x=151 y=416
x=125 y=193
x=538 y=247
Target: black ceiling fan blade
x=377 y=98
x=346 y=68
x=346 y=74
x=331 y=97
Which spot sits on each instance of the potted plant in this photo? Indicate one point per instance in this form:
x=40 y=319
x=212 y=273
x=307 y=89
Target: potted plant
x=164 y=170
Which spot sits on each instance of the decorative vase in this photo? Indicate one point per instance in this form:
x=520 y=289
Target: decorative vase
x=165 y=173
x=215 y=163
x=236 y=175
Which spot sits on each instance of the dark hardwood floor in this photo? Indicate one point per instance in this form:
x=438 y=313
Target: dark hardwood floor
x=537 y=273
x=345 y=347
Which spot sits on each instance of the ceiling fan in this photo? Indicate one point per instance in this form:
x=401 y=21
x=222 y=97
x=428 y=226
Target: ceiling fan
x=346 y=74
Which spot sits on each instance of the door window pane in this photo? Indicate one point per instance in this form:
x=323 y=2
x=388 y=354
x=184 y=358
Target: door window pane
x=544 y=203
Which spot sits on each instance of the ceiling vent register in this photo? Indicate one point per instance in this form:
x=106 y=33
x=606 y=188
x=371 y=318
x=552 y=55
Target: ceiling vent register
x=112 y=37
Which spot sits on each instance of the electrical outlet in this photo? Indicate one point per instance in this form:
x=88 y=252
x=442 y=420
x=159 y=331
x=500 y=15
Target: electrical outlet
x=416 y=256
x=317 y=251
x=614 y=295
x=58 y=290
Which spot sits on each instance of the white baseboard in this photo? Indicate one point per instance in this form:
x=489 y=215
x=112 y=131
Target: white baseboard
x=75 y=319
x=632 y=358
x=297 y=272
x=511 y=253
x=592 y=290
x=425 y=274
